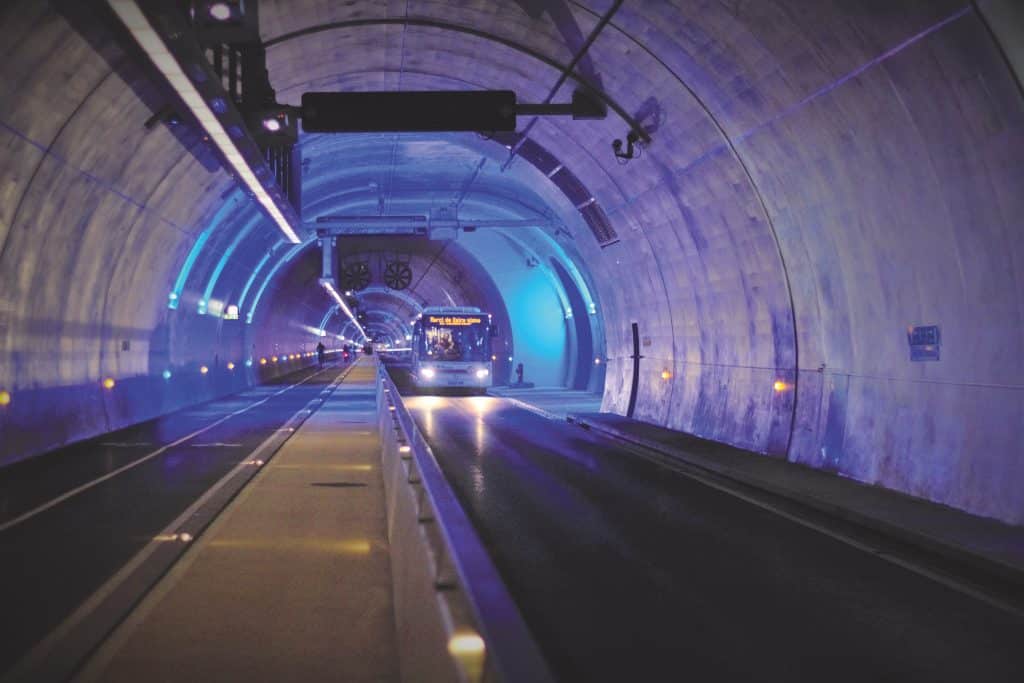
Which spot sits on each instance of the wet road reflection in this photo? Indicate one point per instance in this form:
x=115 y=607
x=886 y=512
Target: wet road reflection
x=626 y=571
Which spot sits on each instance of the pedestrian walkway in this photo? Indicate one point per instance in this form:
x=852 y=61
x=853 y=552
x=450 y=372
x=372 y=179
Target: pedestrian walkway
x=980 y=542
x=292 y=581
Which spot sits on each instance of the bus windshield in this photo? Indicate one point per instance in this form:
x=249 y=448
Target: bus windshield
x=455 y=338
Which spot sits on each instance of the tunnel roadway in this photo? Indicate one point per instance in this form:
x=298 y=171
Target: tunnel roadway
x=71 y=519
x=626 y=571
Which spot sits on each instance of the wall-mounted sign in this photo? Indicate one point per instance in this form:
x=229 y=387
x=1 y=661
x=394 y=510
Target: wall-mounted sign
x=924 y=342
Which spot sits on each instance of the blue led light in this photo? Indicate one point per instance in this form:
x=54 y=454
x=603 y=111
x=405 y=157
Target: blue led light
x=273 y=271
x=242 y=234
x=190 y=261
x=167 y=374
x=252 y=279
x=248 y=362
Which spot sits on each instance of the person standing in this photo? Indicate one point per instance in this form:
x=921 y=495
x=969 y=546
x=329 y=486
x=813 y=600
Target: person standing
x=321 y=353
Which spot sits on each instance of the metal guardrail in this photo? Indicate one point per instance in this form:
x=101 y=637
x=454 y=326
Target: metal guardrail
x=472 y=630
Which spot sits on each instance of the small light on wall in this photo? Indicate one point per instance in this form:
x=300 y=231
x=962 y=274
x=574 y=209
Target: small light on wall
x=203 y=369
x=404 y=449
x=109 y=383
x=231 y=366
x=248 y=362
x=597 y=361
x=665 y=374
x=166 y=374
x=263 y=361
x=780 y=385
x=5 y=398
x=274 y=358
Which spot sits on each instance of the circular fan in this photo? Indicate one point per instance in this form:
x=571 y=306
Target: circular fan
x=397 y=275
x=355 y=276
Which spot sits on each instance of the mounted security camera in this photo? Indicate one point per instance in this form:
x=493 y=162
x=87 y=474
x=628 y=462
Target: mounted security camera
x=632 y=149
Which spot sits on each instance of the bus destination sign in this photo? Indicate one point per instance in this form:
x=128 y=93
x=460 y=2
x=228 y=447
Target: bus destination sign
x=454 y=320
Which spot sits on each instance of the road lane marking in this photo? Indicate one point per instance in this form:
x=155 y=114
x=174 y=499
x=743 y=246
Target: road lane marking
x=125 y=444
x=216 y=444
x=88 y=485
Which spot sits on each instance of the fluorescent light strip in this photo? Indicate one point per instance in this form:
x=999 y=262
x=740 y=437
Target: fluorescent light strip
x=329 y=286
x=150 y=41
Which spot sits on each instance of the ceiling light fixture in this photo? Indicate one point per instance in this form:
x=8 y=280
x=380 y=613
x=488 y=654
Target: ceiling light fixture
x=329 y=286
x=153 y=45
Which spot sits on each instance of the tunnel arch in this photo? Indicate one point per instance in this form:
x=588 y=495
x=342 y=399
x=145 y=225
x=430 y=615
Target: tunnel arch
x=817 y=179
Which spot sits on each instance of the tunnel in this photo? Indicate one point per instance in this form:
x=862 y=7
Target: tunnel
x=804 y=245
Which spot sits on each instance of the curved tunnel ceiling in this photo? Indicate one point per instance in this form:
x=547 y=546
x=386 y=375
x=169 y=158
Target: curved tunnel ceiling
x=819 y=178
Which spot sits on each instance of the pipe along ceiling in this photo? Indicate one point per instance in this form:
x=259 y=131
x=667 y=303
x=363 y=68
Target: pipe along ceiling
x=817 y=189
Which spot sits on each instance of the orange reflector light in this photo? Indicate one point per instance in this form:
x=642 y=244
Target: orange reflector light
x=263 y=361
x=204 y=369
x=274 y=359
x=231 y=366
x=109 y=383
x=5 y=398
x=665 y=374
x=780 y=385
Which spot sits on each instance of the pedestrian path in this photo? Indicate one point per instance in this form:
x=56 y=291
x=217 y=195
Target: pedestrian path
x=292 y=581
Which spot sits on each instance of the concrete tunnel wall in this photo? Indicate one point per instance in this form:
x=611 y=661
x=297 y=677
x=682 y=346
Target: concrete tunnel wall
x=821 y=176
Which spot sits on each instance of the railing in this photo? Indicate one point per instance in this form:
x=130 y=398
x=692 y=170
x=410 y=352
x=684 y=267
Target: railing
x=455 y=618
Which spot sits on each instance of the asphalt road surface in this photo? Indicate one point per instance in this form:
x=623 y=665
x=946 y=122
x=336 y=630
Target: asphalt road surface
x=626 y=571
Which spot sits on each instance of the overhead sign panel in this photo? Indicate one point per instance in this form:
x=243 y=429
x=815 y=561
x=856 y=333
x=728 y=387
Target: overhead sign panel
x=413 y=112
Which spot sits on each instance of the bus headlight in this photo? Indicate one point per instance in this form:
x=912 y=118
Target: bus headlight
x=427 y=373
x=481 y=373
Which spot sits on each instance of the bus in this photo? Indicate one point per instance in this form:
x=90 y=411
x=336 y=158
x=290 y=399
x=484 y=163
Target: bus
x=451 y=347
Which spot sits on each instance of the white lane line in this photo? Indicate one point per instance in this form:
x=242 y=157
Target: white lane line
x=536 y=410
x=216 y=444
x=88 y=485
x=125 y=444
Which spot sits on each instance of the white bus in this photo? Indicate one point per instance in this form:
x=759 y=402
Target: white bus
x=451 y=347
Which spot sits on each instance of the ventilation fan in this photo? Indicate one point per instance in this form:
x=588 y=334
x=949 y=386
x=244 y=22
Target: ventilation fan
x=397 y=275
x=355 y=276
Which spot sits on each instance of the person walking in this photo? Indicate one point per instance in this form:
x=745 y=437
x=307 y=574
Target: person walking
x=321 y=353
